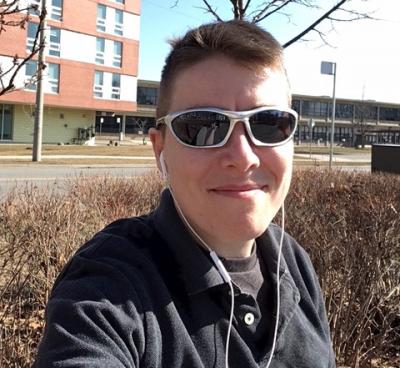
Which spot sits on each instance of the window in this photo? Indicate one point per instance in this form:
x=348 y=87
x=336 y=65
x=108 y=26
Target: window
x=101 y=18
x=35 y=7
x=117 y=59
x=54 y=9
x=366 y=112
x=53 y=77
x=344 y=111
x=119 y=22
x=116 y=86
x=100 y=46
x=6 y=122
x=389 y=114
x=98 y=84
x=54 y=45
x=107 y=85
x=54 y=39
x=30 y=73
x=315 y=108
x=32 y=30
x=119 y=1
x=147 y=96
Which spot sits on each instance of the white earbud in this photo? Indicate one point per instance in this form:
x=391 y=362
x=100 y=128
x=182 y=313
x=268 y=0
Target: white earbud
x=164 y=171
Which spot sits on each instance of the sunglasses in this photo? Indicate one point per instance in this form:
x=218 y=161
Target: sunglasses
x=211 y=127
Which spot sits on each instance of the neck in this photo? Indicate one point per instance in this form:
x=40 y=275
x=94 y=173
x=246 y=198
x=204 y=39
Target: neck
x=233 y=249
x=230 y=249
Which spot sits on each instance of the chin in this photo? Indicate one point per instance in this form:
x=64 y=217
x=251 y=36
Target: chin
x=251 y=229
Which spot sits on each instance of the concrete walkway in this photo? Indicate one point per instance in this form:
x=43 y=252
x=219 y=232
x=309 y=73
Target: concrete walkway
x=60 y=157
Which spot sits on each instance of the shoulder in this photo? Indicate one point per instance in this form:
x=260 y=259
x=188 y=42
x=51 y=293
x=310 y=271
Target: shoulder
x=112 y=260
x=101 y=293
x=116 y=237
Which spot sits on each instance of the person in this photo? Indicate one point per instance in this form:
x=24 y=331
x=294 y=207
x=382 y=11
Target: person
x=206 y=280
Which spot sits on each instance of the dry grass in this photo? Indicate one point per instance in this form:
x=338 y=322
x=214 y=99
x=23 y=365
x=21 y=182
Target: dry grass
x=348 y=222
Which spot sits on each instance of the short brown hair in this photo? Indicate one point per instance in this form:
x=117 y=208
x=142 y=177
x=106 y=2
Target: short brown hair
x=244 y=42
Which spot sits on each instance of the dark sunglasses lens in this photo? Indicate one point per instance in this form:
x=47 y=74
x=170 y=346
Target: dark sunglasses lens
x=272 y=126
x=201 y=128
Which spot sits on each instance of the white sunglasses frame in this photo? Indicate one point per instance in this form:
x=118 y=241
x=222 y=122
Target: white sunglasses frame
x=234 y=117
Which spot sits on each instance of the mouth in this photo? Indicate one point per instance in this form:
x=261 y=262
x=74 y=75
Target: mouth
x=240 y=191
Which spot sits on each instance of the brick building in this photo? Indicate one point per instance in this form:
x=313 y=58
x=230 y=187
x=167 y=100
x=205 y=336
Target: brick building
x=92 y=64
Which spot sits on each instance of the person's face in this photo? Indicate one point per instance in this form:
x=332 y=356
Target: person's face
x=228 y=194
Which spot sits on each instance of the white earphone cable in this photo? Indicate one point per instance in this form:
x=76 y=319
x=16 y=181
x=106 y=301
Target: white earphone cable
x=278 y=292
x=225 y=275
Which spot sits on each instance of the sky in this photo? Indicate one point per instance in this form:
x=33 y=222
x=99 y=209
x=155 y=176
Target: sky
x=366 y=52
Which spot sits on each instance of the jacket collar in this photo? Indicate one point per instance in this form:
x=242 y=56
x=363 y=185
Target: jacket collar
x=195 y=267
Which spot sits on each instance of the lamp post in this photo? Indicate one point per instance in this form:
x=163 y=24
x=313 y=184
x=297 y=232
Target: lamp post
x=330 y=69
x=311 y=124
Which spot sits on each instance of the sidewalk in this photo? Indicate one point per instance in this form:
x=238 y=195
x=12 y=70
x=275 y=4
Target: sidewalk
x=58 y=157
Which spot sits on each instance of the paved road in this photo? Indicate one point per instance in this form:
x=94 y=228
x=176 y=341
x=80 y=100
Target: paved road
x=20 y=175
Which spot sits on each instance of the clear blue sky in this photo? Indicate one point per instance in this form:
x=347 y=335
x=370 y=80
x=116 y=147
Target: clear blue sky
x=367 y=52
x=160 y=20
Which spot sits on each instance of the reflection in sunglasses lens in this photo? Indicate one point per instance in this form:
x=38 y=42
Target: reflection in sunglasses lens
x=201 y=128
x=272 y=126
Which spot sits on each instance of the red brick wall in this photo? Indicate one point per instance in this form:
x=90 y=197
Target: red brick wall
x=13 y=40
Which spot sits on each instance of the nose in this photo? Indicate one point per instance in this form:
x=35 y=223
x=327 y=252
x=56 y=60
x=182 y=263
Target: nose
x=239 y=152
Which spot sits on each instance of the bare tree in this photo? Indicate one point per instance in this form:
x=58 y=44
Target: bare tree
x=142 y=124
x=364 y=113
x=259 y=10
x=15 y=13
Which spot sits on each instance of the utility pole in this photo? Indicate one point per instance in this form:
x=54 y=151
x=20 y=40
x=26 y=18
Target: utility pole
x=330 y=69
x=37 y=133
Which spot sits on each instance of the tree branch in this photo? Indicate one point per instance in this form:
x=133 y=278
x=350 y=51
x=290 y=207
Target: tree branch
x=313 y=25
x=19 y=64
x=212 y=11
x=246 y=6
x=264 y=14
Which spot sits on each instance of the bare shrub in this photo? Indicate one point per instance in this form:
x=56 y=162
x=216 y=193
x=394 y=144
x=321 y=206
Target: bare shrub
x=349 y=223
x=39 y=231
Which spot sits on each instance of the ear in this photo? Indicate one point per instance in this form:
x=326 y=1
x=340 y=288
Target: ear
x=157 y=140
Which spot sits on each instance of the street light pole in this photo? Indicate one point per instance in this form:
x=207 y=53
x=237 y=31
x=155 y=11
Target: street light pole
x=37 y=133
x=330 y=69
